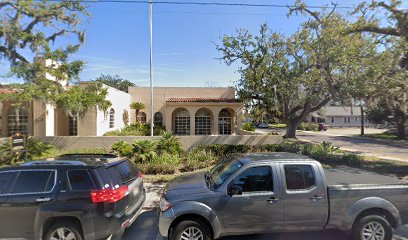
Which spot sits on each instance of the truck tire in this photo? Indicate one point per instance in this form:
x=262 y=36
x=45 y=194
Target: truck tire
x=191 y=229
x=372 y=225
x=64 y=230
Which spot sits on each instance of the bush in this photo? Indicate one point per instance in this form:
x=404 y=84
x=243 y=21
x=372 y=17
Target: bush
x=169 y=144
x=163 y=164
x=36 y=149
x=136 y=129
x=224 y=150
x=305 y=126
x=198 y=159
x=144 y=151
x=248 y=126
x=123 y=149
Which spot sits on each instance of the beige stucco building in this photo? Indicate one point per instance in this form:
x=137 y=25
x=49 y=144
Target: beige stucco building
x=190 y=110
x=183 y=111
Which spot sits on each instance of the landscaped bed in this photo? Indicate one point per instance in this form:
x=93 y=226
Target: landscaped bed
x=164 y=159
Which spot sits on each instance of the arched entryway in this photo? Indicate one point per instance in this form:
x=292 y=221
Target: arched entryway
x=203 y=122
x=181 y=121
x=225 y=122
x=17 y=120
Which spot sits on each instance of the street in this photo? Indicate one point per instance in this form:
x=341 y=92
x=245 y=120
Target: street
x=348 y=139
x=145 y=228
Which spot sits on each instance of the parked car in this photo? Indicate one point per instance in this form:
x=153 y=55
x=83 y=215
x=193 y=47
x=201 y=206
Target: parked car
x=75 y=197
x=262 y=125
x=277 y=192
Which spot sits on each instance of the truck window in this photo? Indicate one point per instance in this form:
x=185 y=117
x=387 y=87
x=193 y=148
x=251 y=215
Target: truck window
x=299 y=177
x=80 y=180
x=34 y=182
x=6 y=179
x=255 y=179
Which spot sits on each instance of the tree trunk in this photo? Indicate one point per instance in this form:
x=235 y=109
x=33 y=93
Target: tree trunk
x=137 y=113
x=291 y=128
x=362 y=119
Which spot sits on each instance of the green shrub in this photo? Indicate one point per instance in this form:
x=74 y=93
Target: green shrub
x=157 y=168
x=163 y=164
x=224 y=150
x=198 y=159
x=36 y=149
x=136 y=129
x=305 y=126
x=169 y=144
x=289 y=147
x=144 y=150
x=248 y=126
x=123 y=149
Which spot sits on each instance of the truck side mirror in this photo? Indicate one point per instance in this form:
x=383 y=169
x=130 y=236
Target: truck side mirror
x=235 y=190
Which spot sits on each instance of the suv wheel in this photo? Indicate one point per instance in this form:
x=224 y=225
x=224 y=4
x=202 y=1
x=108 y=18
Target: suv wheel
x=372 y=227
x=64 y=231
x=191 y=230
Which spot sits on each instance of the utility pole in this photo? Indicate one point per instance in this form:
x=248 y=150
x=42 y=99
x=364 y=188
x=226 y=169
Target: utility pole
x=151 y=69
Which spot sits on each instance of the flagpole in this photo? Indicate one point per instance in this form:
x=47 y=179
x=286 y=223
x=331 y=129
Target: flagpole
x=151 y=69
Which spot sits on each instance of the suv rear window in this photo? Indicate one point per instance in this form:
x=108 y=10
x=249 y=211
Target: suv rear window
x=117 y=175
x=80 y=180
x=34 y=182
x=6 y=179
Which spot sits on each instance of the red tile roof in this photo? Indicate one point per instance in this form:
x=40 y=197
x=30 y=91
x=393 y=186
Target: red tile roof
x=195 y=100
x=6 y=91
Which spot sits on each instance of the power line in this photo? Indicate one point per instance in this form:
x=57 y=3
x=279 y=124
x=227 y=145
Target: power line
x=202 y=3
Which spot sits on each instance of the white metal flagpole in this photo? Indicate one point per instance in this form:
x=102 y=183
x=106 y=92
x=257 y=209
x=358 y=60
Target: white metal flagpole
x=151 y=69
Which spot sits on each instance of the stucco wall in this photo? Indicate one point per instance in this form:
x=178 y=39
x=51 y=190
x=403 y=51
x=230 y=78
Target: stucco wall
x=161 y=94
x=71 y=143
x=120 y=102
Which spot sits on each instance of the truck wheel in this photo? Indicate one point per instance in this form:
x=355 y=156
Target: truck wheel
x=191 y=230
x=372 y=227
x=64 y=231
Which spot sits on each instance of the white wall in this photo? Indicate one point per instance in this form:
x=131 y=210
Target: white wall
x=49 y=119
x=343 y=121
x=120 y=102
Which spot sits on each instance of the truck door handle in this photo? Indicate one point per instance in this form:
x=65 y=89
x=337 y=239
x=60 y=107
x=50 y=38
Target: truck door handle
x=43 y=199
x=273 y=200
x=316 y=198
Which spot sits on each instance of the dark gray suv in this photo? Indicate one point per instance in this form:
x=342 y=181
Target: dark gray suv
x=76 y=197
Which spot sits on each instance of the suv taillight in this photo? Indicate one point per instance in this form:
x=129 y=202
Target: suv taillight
x=140 y=174
x=109 y=195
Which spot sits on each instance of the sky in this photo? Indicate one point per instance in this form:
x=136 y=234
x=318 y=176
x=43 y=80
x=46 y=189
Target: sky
x=184 y=37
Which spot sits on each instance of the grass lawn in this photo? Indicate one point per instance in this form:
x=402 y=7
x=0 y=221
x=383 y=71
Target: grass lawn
x=278 y=125
x=386 y=136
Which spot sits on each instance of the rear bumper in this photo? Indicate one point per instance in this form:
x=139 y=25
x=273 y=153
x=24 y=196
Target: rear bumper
x=113 y=228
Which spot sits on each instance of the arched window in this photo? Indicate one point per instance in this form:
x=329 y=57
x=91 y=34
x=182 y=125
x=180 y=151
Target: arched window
x=72 y=126
x=158 y=119
x=181 y=122
x=111 y=118
x=203 y=122
x=17 y=120
x=141 y=117
x=224 y=122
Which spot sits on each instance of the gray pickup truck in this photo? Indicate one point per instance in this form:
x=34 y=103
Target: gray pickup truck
x=278 y=192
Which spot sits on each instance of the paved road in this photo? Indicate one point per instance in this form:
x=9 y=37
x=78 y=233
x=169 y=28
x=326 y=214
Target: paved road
x=145 y=228
x=366 y=146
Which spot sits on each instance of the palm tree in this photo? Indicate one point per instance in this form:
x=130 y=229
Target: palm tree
x=137 y=106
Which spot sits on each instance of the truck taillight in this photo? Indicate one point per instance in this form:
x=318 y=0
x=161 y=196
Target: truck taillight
x=140 y=174
x=109 y=195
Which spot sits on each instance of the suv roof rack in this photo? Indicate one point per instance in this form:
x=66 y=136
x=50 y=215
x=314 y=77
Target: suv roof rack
x=58 y=162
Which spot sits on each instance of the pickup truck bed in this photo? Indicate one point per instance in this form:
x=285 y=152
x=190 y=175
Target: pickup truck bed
x=346 y=186
x=347 y=176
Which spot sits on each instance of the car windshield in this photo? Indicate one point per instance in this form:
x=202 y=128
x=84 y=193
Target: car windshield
x=222 y=171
